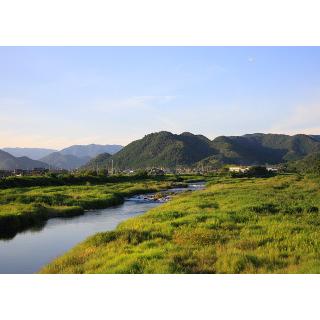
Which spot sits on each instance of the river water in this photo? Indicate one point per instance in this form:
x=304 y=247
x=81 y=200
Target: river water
x=28 y=251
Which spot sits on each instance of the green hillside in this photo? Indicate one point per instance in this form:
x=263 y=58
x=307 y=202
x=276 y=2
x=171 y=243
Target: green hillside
x=308 y=165
x=264 y=148
x=163 y=149
x=101 y=161
x=168 y=150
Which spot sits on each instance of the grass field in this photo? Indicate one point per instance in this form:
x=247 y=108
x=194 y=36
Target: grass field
x=257 y=225
x=24 y=207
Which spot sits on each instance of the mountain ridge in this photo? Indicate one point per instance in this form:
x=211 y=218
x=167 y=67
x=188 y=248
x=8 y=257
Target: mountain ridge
x=9 y=162
x=32 y=153
x=69 y=158
x=169 y=150
x=91 y=150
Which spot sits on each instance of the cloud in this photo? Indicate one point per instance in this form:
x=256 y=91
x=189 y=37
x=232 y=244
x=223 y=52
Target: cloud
x=303 y=119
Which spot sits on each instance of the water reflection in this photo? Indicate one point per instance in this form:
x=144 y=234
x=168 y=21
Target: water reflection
x=28 y=251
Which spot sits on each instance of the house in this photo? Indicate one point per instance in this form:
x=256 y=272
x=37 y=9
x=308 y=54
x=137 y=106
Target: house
x=128 y=171
x=156 y=172
x=18 y=172
x=239 y=169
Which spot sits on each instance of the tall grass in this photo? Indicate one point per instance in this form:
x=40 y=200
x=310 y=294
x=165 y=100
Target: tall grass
x=23 y=207
x=265 y=225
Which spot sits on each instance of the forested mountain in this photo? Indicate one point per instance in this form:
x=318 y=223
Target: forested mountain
x=9 y=162
x=168 y=150
x=264 y=148
x=100 y=161
x=65 y=161
x=163 y=149
x=32 y=153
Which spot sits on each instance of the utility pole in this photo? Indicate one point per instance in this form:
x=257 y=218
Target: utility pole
x=112 y=166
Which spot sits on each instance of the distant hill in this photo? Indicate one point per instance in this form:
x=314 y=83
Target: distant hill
x=64 y=161
x=77 y=156
x=32 y=153
x=100 y=161
x=91 y=150
x=9 y=162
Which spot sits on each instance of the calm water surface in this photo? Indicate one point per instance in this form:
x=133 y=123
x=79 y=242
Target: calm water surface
x=27 y=252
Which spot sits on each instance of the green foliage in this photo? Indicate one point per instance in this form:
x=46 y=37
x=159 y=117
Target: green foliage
x=254 y=171
x=66 y=179
x=308 y=165
x=248 y=225
x=261 y=148
x=163 y=149
x=102 y=161
x=22 y=207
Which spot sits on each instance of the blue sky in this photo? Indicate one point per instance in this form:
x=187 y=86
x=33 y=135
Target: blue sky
x=58 y=96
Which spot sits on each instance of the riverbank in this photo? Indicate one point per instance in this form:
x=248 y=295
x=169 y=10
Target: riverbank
x=29 y=251
x=23 y=208
x=234 y=226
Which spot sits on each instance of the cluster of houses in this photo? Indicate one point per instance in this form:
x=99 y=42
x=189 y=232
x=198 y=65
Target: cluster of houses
x=181 y=170
x=150 y=171
x=244 y=169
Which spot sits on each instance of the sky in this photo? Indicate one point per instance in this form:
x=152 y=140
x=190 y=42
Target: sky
x=55 y=97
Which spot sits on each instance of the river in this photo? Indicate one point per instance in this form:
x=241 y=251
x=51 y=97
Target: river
x=28 y=251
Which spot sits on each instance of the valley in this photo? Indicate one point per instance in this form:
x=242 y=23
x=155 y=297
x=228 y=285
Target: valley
x=258 y=213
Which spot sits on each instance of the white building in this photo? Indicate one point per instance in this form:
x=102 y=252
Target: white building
x=238 y=169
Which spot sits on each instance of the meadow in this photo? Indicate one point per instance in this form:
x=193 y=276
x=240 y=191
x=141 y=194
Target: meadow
x=25 y=207
x=235 y=225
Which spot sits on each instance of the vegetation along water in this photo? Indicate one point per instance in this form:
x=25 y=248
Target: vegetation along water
x=235 y=225
x=23 y=206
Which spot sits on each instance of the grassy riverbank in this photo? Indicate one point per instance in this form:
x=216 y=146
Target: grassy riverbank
x=264 y=225
x=22 y=208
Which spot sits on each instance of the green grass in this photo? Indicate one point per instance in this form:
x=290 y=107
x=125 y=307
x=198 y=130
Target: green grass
x=22 y=208
x=83 y=179
x=266 y=225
